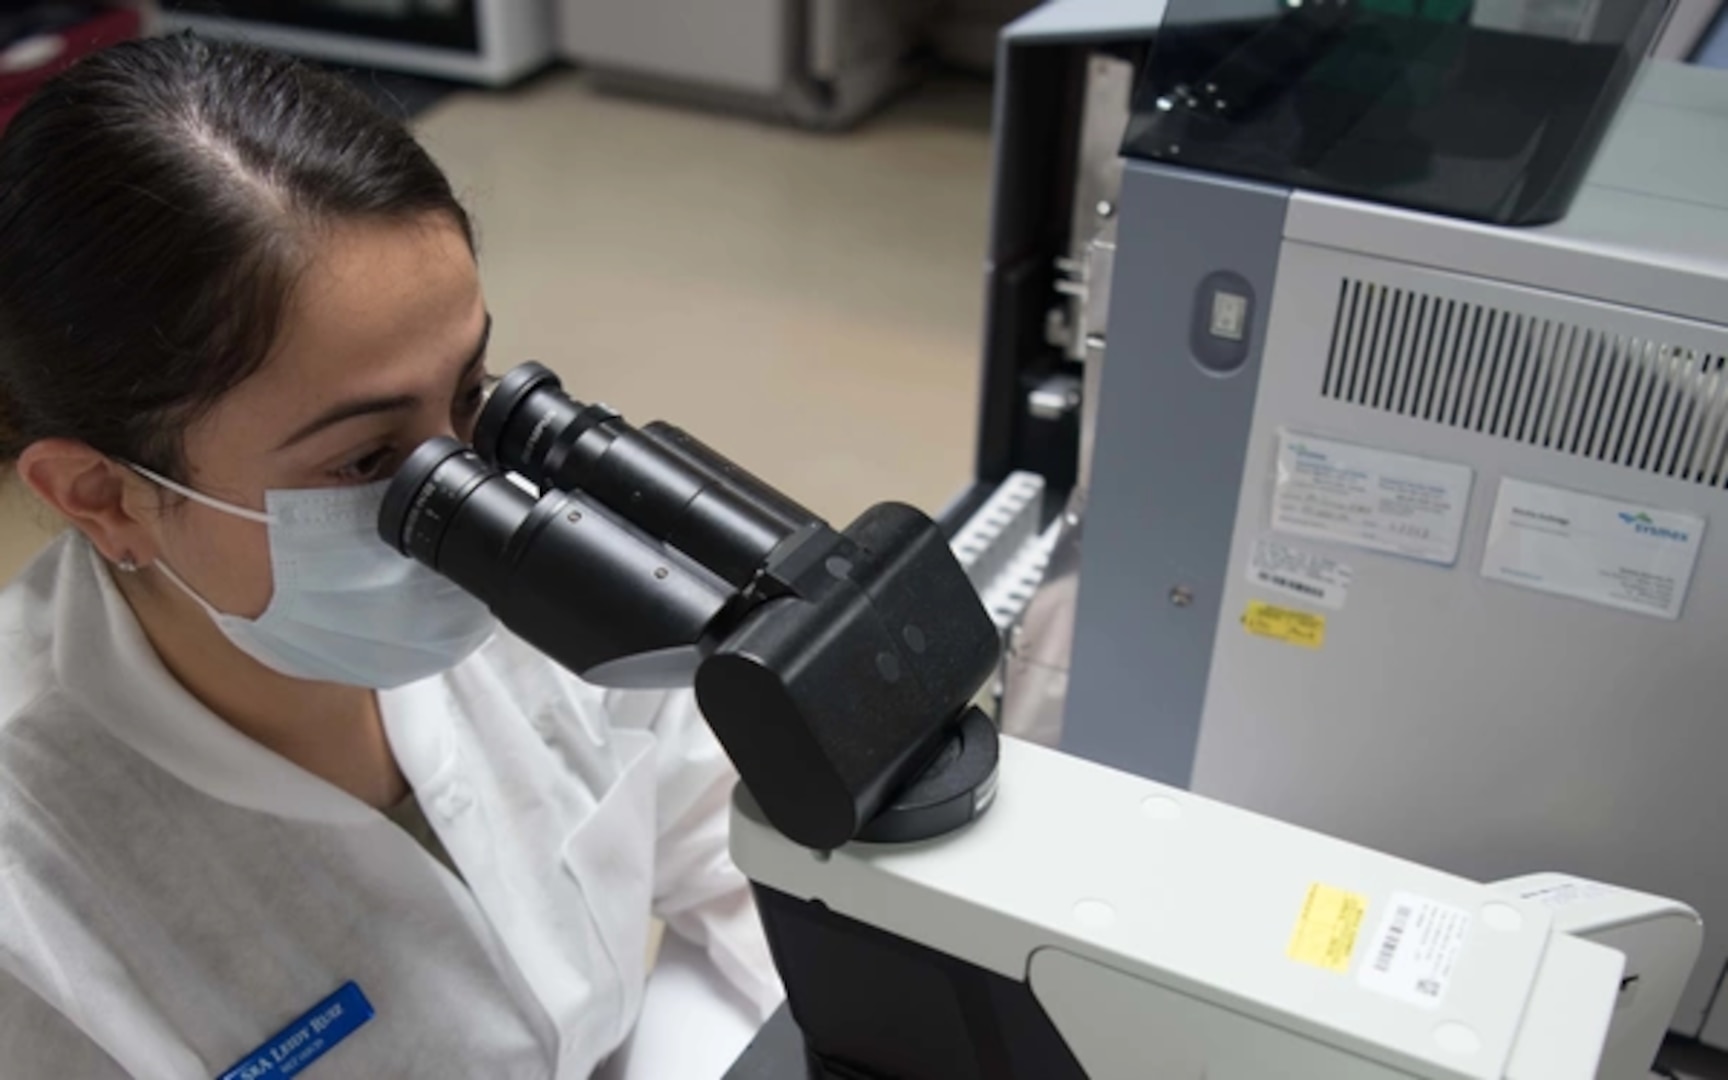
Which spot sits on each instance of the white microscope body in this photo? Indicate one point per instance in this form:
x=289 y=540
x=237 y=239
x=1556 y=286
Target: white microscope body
x=1166 y=935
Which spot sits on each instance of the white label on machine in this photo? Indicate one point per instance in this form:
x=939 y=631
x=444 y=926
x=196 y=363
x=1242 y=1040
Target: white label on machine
x=1370 y=498
x=1608 y=552
x=1302 y=574
x=1415 y=953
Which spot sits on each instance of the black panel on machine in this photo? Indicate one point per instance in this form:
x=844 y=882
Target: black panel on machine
x=1419 y=103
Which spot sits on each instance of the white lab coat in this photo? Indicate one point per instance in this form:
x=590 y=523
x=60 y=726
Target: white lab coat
x=172 y=894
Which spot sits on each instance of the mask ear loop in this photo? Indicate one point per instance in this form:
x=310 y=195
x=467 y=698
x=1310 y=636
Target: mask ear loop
x=167 y=571
x=161 y=566
x=260 y=516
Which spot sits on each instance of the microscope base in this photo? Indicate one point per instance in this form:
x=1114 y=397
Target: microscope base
x=865 y=995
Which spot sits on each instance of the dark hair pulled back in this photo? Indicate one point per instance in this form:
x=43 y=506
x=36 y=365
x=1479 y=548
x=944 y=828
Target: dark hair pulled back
x=155 y=206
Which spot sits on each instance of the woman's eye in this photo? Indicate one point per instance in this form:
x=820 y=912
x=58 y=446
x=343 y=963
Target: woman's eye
x=372 y=466
x=467 y=408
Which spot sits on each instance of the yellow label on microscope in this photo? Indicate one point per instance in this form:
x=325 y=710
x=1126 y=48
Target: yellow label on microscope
x=1326 y=933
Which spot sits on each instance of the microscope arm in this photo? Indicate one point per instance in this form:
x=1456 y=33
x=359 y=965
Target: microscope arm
x=1096 y=925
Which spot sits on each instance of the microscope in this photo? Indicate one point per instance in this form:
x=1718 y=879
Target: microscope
x=944 y=903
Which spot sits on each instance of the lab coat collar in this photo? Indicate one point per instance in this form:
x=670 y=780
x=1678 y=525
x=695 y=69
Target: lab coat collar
x=104 y=662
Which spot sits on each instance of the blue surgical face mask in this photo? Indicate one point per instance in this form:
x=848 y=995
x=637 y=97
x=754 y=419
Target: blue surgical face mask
x=346 y=608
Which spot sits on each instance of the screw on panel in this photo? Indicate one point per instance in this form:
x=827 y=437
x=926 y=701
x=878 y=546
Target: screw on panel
x=1182 y=596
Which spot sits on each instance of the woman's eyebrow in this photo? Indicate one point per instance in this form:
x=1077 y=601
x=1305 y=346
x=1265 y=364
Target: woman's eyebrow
x=344 y=411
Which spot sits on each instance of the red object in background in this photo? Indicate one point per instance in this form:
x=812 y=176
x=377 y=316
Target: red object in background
x=75 y=42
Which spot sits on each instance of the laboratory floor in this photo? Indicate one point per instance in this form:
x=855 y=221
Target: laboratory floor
x=807 y=304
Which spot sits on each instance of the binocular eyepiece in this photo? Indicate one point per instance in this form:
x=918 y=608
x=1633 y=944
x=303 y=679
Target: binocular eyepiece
x=562 y=507
x=661 y=479
x=833 y=667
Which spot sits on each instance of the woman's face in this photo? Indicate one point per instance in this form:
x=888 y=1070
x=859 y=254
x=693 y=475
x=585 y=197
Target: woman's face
x=382 y=346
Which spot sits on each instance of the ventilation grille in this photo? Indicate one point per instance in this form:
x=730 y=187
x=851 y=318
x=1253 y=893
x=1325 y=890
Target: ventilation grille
x=1558 y=385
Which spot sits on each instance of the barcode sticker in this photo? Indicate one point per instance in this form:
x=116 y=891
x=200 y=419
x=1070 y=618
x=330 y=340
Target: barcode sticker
x=1389 y=943
x=1415 y=953
x=1302 y=574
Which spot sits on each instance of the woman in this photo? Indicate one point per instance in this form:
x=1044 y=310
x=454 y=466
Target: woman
x=260 y=776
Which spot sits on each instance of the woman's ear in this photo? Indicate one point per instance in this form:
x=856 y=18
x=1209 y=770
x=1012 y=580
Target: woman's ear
x=104 y=500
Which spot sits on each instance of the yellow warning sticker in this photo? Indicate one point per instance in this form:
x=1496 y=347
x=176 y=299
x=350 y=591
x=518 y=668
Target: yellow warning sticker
x=1326 y=933
x=1283 y=624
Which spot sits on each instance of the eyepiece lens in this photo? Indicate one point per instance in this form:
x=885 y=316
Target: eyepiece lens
x=406 y=489
x=423 y=499
x=527 y=416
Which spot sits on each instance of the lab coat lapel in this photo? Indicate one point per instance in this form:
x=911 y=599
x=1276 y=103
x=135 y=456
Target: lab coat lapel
x=103 y=659
x=605 y=857
x=568 y=886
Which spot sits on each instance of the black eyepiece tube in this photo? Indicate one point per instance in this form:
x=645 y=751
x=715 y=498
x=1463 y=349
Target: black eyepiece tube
x=522 y=447
x=561 y=571
x=674 y=489
x=741 y=482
